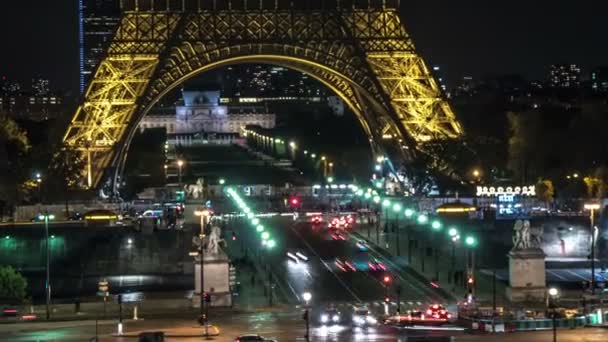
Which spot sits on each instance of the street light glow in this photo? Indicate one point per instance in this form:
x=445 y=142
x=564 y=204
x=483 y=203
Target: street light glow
x=271 y=244
x=396 y=207
x=436 y=225
x=409 y=212
x=222 y=181
x=453 y=232
x=422 y=219
x=180 y=163
x=265 y=235
x=307 y=296
x=260 y=228
x=377 y=199
x=470 y=241
x=386 y=203
x=255 y=221
x=553 y=292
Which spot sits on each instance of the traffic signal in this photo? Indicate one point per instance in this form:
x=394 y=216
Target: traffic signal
x=233 y=236
x=386 y=280
x=470 y=280
x=387 y=299
x=294 y=201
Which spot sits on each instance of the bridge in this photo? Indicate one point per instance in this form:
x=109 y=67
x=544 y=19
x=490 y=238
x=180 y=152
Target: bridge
x=358 y=49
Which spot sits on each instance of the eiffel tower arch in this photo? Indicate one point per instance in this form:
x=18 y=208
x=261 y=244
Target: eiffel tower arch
x=360 y=51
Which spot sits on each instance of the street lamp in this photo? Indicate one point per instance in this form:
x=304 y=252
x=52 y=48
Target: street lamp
x=39 y=182
x=205 y=215
x=471 y=242
x=592 y=207
x=180 y=163
x=222 y=181
x=307 y=297
x=553 y=293
x=46 y=217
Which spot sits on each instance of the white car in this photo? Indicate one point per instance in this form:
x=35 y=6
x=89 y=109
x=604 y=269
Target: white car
x=362 y=317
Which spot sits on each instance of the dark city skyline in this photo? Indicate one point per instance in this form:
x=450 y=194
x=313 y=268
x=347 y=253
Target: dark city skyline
x=469 y=38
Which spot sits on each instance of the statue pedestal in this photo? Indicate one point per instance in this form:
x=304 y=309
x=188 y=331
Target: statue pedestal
x=217 y=282
x=527 y=279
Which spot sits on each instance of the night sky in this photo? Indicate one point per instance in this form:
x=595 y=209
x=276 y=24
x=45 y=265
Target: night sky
x=464 y=37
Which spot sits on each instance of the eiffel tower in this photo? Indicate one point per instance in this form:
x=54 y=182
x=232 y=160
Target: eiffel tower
x=358 y=49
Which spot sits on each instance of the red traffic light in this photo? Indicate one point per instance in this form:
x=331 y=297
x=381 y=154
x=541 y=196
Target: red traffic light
x=294 y=201
x=470 y=280
x=233 y=237
x=386 y=299
x=387 y=279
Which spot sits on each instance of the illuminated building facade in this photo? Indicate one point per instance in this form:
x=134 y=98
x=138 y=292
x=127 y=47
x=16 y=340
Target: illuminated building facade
x=565 y=76
x=599 y=79
x=97 y=22
x=200 y=114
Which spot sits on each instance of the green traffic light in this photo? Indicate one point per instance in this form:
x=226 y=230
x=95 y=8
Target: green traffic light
x=7 y=237
x=422 y=219
x=436 y=225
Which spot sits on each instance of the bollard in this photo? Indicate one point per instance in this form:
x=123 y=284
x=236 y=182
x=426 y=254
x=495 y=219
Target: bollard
x=135 y=318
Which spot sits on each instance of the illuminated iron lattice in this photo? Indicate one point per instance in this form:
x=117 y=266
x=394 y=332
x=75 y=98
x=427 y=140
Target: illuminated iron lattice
x=364 y=55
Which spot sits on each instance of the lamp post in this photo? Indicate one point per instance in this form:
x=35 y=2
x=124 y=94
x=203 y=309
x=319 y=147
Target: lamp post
x=553 y=293
x=180 y=163
x=307 y=297
x=453 y=233
x=592 y=207
x=471 y=243
x=204 y=215
x=46 y=217
x=397 y=210
x=39 y=183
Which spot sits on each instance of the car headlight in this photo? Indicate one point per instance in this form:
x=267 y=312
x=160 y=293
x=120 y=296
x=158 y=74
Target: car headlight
x=371 y=320
x=358 y=320
x=335 y=318
x=324 y=318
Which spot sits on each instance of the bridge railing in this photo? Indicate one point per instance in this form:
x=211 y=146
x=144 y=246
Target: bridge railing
x=252 y=5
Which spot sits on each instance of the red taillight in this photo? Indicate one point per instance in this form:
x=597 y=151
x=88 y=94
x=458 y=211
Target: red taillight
x=32 y=316
x=10 y=311
x=429 y=312
x=449 y=316
x=435 y=307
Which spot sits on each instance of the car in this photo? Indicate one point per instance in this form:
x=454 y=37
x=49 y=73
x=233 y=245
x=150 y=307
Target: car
x=362 y=246
x=331 y=315
x=152 y=214
x=252 y=337
x=340 y=222
x=362 y=317
x=376 y=265
x=297 y=256
x=435 y=315
x=345 y=265
x=437 y=311
x=315 y=220
x=338 y=236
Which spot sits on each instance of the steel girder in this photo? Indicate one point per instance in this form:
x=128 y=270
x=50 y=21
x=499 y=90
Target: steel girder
x=365 y=56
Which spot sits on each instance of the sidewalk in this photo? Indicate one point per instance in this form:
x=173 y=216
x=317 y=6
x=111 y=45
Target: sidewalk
x=434 y=264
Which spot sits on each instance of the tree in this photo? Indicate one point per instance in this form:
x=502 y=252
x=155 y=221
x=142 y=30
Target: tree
x=64 y=173
x=12 y=285
x=14 y=144
x=545 y=191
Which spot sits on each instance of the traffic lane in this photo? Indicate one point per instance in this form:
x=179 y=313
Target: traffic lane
x=316 y=275
x=412 y=289
x=365 y=286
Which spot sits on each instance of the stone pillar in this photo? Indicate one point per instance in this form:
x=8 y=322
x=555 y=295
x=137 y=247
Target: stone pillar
x=527 y=278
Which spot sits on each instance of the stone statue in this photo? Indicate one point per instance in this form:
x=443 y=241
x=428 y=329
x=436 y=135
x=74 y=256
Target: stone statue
x=213 y=242
x=195 y=191
x=518 y=235
x=526 y=236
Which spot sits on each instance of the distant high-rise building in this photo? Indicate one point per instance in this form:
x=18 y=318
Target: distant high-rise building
x=599 y=79
x=40 y=86
x=565 y=76
x=97 y=22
